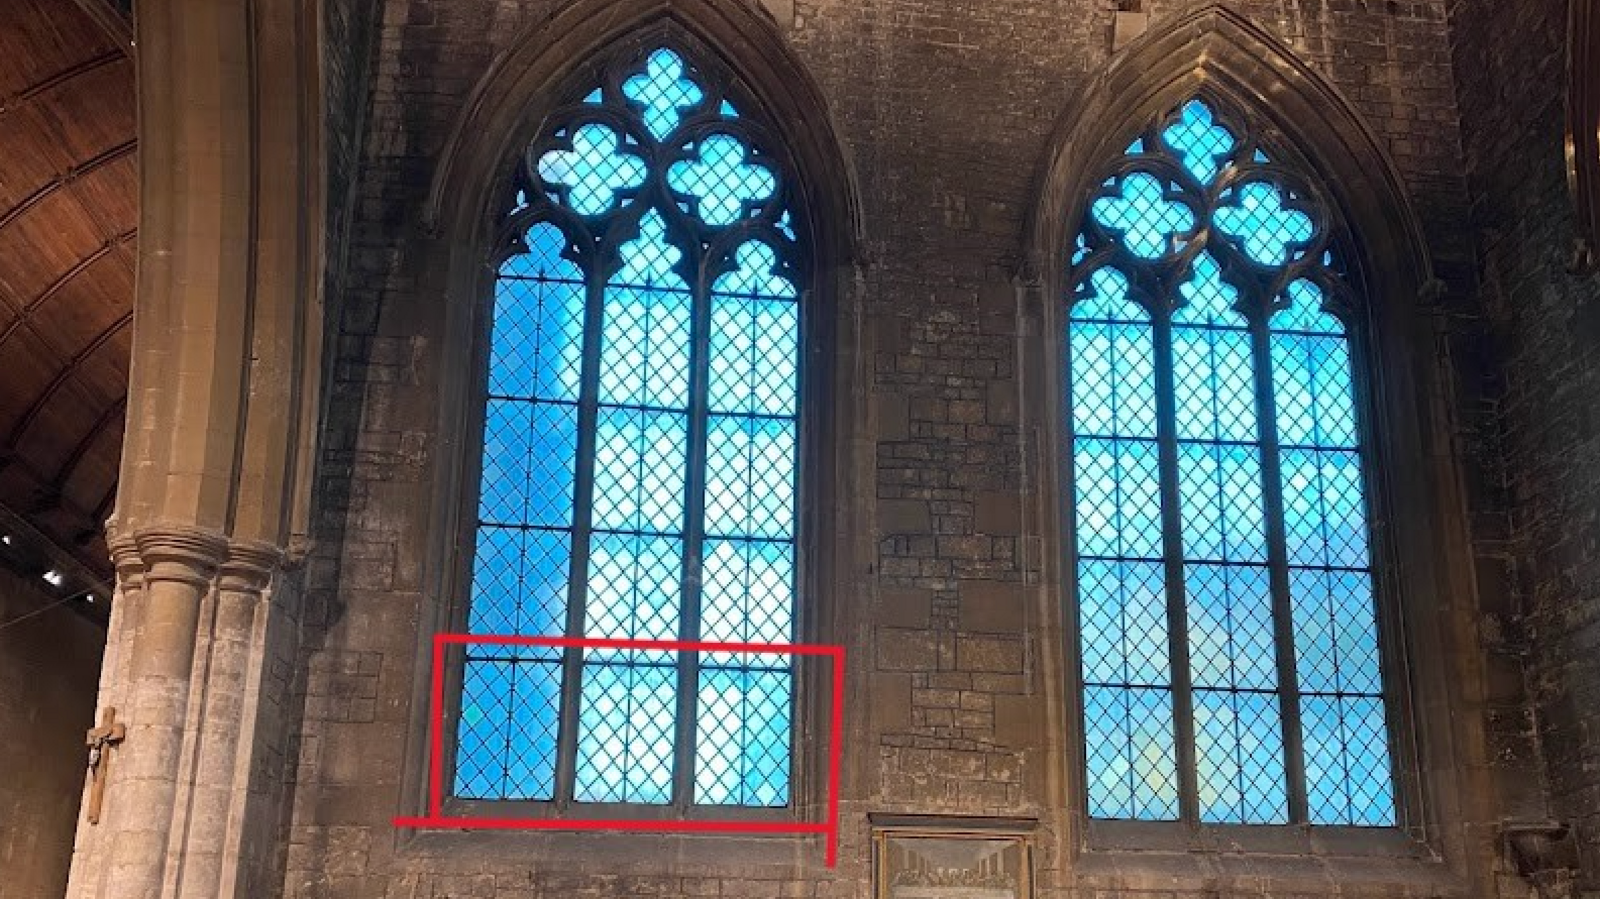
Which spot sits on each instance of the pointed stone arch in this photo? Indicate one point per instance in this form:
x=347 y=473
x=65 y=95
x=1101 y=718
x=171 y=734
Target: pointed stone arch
x=1217 y=50
x=510 y=102
x=456 y=239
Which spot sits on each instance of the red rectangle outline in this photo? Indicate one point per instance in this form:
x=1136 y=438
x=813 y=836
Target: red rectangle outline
x=437 y=819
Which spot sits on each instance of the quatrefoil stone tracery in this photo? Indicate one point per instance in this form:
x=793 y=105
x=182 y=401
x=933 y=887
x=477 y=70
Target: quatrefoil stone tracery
x=594 y=171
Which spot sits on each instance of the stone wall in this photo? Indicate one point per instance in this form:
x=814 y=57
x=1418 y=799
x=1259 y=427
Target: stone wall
x=1546 y=334
x=49 y=667
x=945 y=109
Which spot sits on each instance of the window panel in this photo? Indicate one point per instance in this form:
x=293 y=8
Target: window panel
x=598 y=449
x=1219 y=489
x=1239 y=758
x=1267 y=561
x=507 y=741
x=1132 y=763
x=750 y=477
x=743 y=737
x=537 y=350
x=625 y=732
x=640 y=460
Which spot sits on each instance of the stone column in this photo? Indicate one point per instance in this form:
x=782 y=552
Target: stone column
x=211 y=817
x=89 y=842
x=159 y=629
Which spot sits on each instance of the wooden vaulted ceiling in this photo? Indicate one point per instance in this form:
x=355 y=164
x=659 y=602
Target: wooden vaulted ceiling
x=68 y=220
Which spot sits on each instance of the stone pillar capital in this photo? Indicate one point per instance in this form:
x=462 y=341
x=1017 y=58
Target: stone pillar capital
x=181 y=553
x=250 y=565
x=125 y=557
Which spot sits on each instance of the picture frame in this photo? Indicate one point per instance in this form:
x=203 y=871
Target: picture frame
x=952 y=858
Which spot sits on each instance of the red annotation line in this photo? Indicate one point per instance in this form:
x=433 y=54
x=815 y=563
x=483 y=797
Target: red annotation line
x=437 y=819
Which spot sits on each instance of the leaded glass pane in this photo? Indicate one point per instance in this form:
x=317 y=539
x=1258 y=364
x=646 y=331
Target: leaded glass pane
x=1133 y=766
x=597 y=448
x=595 y=175
x=506 y=743
x=1260 y=421
x=625 y=734
x=1149 y=221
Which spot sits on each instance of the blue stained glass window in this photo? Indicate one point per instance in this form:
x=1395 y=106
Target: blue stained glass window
x=638 y=481
x=1266 y=558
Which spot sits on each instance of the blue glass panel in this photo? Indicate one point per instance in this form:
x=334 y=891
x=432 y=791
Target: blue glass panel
x=1256 y=216
x=1208 y=299
x=519 y=586
x=742 y=737
x=1199 y=140
x=1324 y=508
x=506 y=742
x=1312 y=386
x=755 y=334
x=754 y=347
x=722 y=179
x=1212 y=360
x=634 y=593
x=625 y=733
x=640 y=458
x=1230 y=627
x=1239 y=758
x=1149 y=223
x=1131 y=754
x=1214 y=382
x=1112 y=386
x=644 y=352
x=750 y=477
x=1336 y=631
x=747 y=595
x=1349 y=778
x=664 y=91
x=595 y=175
x=1104 y=298
x=537 y=350
x=507 y=439
x=1219 y=492
x=1305 y=314
x=1123 y=622
x=528 y=457
x=1117 y=486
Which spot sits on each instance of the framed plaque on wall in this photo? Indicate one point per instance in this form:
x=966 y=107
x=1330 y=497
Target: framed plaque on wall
x=940 y=857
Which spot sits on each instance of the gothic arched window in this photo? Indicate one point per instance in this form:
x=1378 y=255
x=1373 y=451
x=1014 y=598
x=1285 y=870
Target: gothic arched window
x=1228 y=626
x=640 y=453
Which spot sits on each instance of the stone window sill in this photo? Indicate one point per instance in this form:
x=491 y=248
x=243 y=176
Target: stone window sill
x=1127 y=855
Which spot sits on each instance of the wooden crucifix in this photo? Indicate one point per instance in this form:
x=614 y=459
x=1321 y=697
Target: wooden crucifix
x=101 y=740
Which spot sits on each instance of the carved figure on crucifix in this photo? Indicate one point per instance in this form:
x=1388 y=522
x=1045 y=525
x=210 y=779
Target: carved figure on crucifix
x=101 y=740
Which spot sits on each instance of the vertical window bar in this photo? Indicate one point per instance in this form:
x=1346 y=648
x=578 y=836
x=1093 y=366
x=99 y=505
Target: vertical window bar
x=582 y=519
x=1278 y=567
x=1172 y=547
x=683 y=775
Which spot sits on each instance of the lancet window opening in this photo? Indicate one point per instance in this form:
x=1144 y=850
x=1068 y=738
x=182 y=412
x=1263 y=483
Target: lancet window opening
x=640 y=468
x=1218 y=457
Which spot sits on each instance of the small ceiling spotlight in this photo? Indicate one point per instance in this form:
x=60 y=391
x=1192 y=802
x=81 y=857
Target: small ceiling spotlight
x=54 y=578
x=6 y=539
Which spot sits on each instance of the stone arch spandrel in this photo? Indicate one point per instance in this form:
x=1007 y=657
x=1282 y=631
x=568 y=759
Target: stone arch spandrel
x=1218 y=49
x=507 y=105
x=1217 y=52
x=502 y=115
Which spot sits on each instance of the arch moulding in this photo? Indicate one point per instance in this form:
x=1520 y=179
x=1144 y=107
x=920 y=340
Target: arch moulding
x=510 y=102
x=1214 y=51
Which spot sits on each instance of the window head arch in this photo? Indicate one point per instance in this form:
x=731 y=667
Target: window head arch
x=640 y=464
x=1229 y=637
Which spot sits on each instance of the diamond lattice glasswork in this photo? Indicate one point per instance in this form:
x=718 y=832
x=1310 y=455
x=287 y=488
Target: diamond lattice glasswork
x=1266 y=558
x=621 y=495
